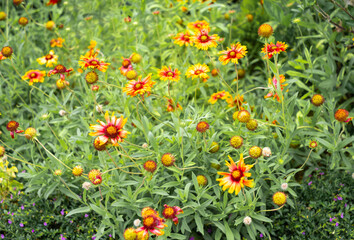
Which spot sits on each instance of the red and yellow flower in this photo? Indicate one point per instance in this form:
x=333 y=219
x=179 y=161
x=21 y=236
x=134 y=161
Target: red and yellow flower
x=166 y=73
x=202 y=40
x=171 y=107
x=273 y=85
x=219 y=95
x=12 y=128
x=93 y=62
x=53 y=2
x=126 y=65
x=236 y=52
x=236 y=102
x=57 y=42
x=61 y=70
x=198 y=70
x=152 y=224
x=49 y=59
x=199 y=25
x=237 y=176
x=111 y=131
x=171 y=213
x=183 y=39
x=34 y=76
x=270 y=48
x=2 y=57
x=141 y=87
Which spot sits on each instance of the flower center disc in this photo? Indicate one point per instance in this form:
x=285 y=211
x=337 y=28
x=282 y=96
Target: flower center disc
x=198 y=72
x=204 y=38
x=126 y=63
x=138 y=86
x=148 y=222
x=33 y=75
x=236 y=174
x=232 y=54
x=170 y=74
x=60 y=68
x=169 y=211
x=112 y=131
x=186 y=38
x=48 y=57
x=94 y=62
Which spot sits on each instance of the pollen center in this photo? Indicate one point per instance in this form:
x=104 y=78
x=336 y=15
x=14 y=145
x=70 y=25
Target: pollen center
x=126 y=63
x=33 y=75
x=94 y=62
x=198 y=72
x=232 y=54
x=169 y=211
x=236 y=175
x=111 y=130
x=138 y=86
x=149 y=221
x=48 y=56
x=204 y=38
x=60 y=68
x=170 y=74
x=186 y=38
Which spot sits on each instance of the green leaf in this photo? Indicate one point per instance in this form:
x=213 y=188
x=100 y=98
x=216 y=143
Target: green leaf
x=229 y=234
x=79 y=210
x=98 y=210
x=199 y=223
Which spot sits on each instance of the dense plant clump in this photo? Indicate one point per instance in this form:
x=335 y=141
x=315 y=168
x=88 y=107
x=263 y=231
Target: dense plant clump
x=152 y=119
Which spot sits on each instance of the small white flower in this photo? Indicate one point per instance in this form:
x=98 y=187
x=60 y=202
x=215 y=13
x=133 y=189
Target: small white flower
x=145 y=145
x=266 y=152
x=137 y=222
x=284 y=186
x=0 y=180
x=247 y=220
x=62 y=113
x=86 y=185
x=353 y=175
x=99 y=108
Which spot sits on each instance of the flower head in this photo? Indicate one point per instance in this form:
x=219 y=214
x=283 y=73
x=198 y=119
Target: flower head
x=61 y=70
x=219 y=95
x=198 y=70
x=279 y=198
x=86 y=185
x=202 y=180
x=34 y=76
x=166 y=73
x=77 y=170
x=255 y=152
x=92 y=62
x=237 y=101
x=12 y=127
x=237 y=176
x=147 y=211
x=171 y=106
x=57 y=42
x=265 y=30
x=53 y=2
x=252 y=124
x=313 y=144
x=171 y=213
x=23 y=21
x=30 y=133
x=150 y=166
x=140 y=87
x=202 y=127
x=126 y=65
x=91 y=77
x=214 y=147
x=168 y=159
x=2 y=151
x=247 y=220
x=284 y=186
x=129 y=234
x=266 y=152
x=270 y=48
x=236 y=142
x=199 y=25
x=236 y=52
x=111 y=131
x=7 y=51
x=183 y=39
x=95 y=176
x=243 y=116
x=49 y=59
x=152 y=224
x=202 y=40
x=341 y=115
x=317 y=100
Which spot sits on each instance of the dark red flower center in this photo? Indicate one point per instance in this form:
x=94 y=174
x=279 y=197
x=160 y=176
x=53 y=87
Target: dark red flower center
x=186 y=38
x=12 y=126
x=126 y=63
x=138 y=86
x=204 y=38
x=197 y=72
x=60 y=68
x=48 y=57
x=232 y=54
x=33 y=75
x=236 y=175
x=111 y=131
x=93 y=62
x=170 y=74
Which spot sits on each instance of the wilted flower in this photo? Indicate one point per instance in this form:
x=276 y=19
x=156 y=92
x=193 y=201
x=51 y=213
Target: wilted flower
x=266 y=152
x=284 y=186
x=12 y=127
x=86 y=185
x=171 y=213
x=247 y=220
x=62 y=113
x=137 y=222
